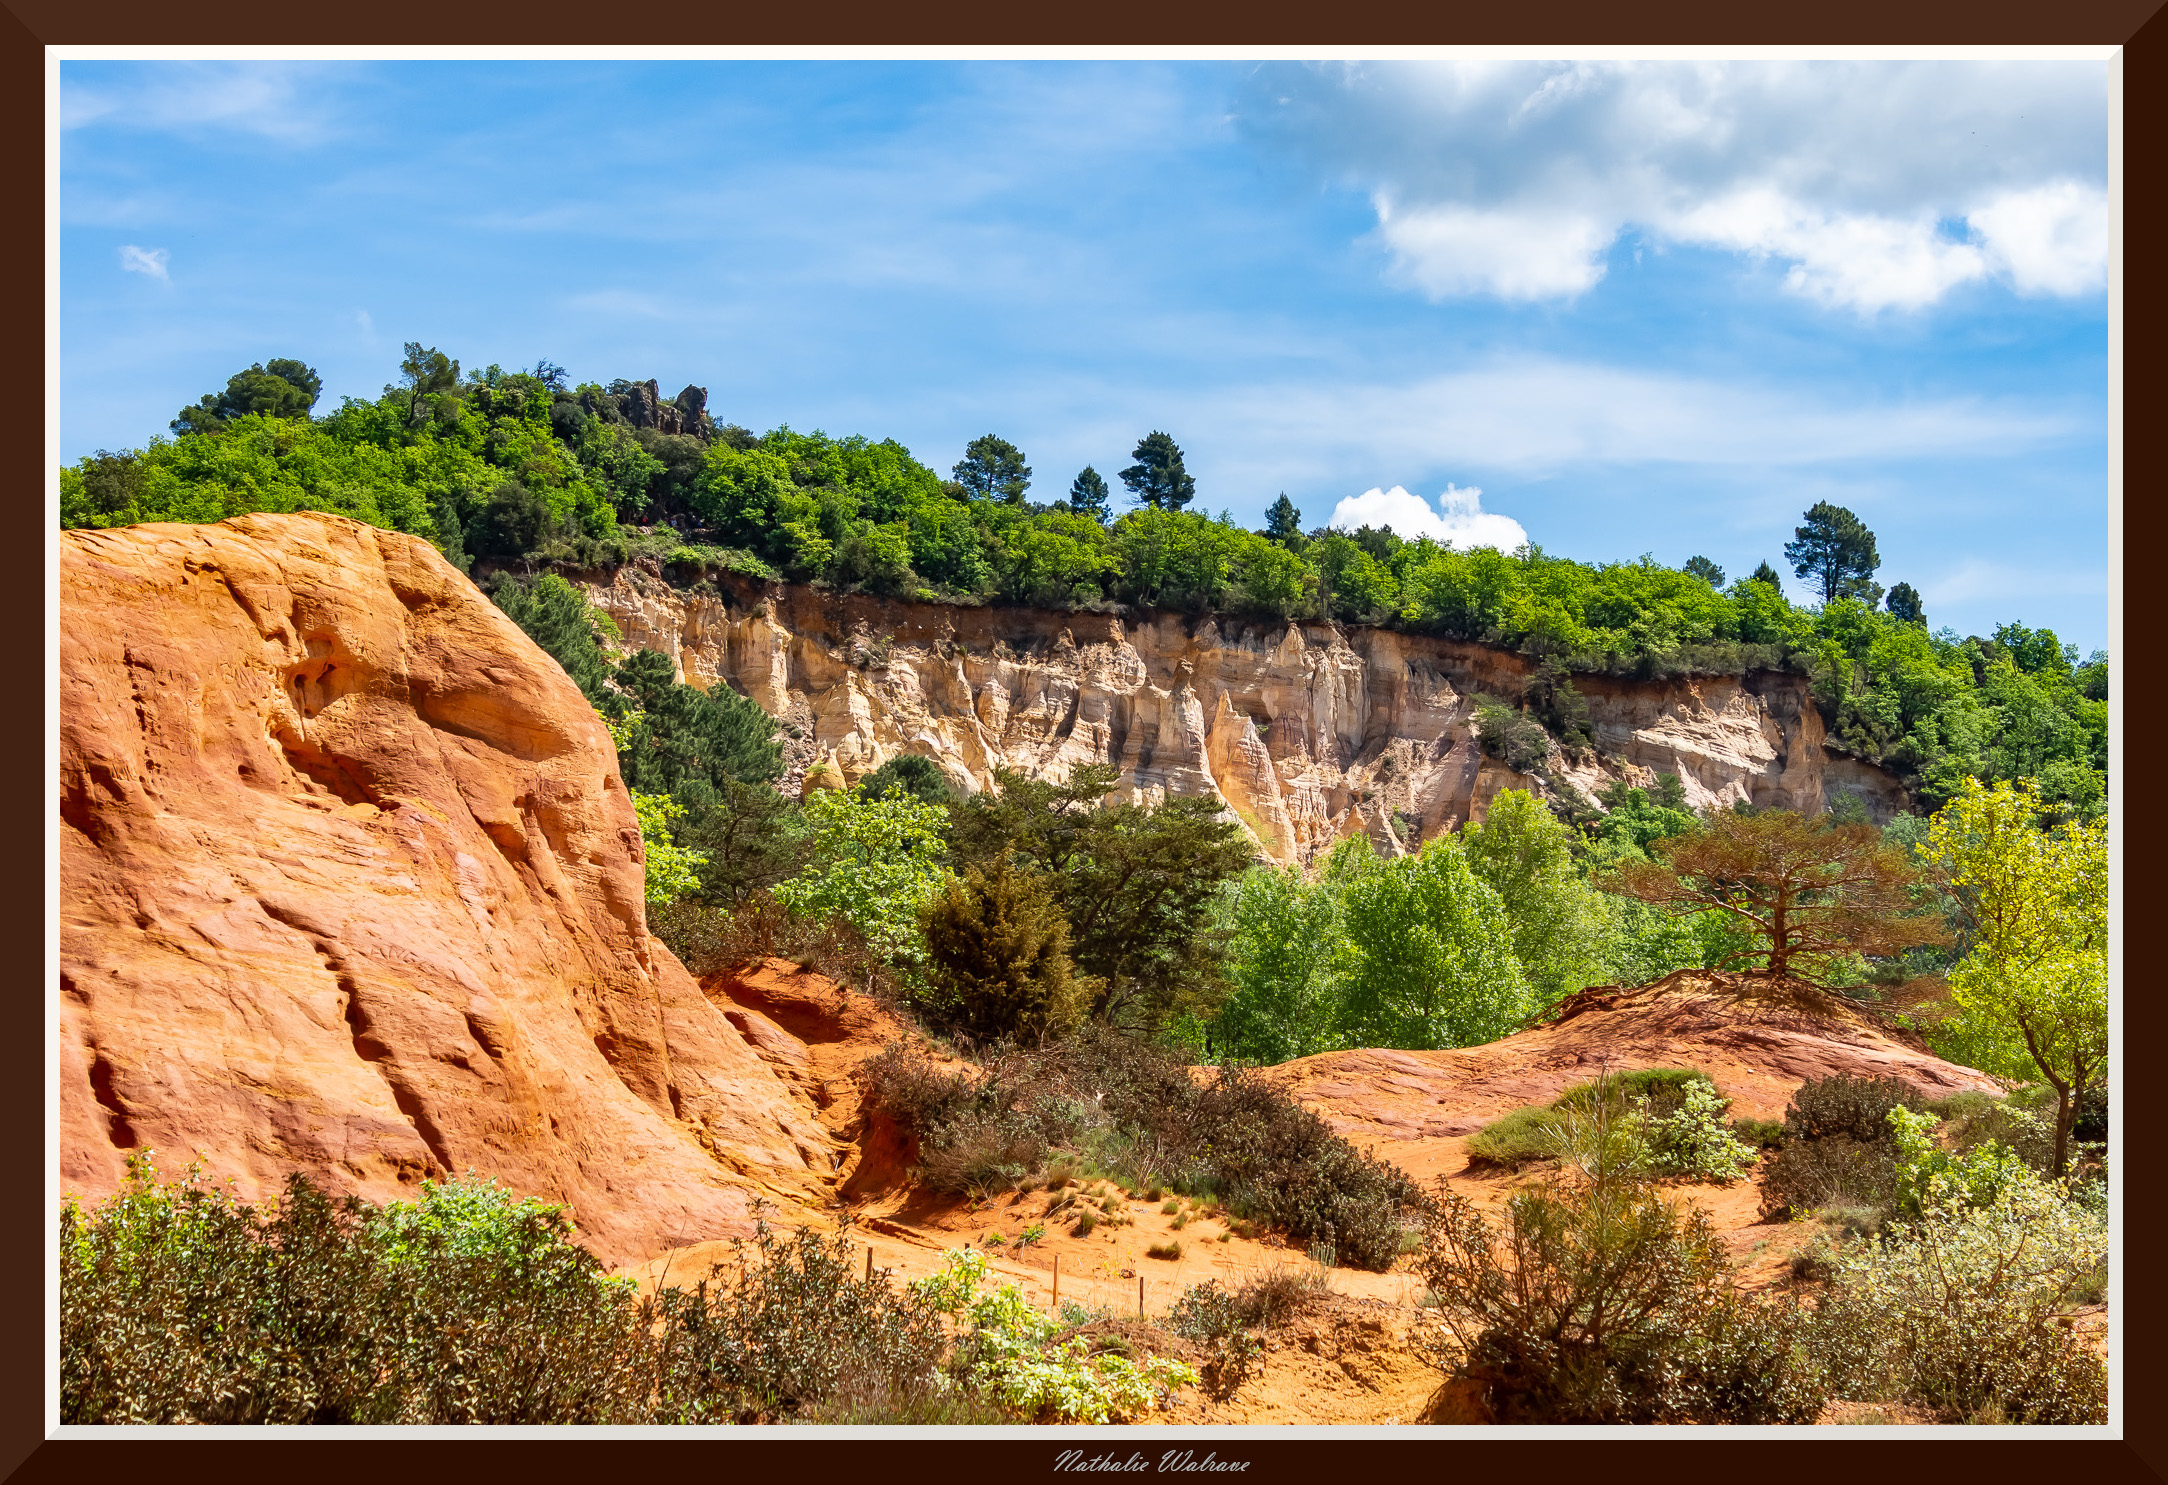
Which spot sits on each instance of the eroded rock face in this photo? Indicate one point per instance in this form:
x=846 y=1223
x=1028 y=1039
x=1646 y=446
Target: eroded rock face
x=350 y=885
x=1308 y=733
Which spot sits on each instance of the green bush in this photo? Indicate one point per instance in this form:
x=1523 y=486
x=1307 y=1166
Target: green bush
x=1960 y=1311
x=1834 y=1172
x=180 y=1304
x=1522 y=1136
x=1854 y=1108
x=997 y=948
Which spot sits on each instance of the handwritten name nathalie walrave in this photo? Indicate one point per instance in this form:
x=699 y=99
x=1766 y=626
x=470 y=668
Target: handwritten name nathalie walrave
x=1174 y=1461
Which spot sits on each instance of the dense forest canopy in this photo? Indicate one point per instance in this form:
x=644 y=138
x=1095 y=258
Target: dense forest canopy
x=527 y=465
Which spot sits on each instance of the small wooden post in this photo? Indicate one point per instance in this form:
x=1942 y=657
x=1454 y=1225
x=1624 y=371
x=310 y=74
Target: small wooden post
x=869 y=1263
x=1057 y=1283
x=1140 y=1296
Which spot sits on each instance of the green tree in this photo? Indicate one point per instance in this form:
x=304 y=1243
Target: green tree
x=559 y=618
x=1766 y=574
x=913 y=774
x=1833 y=550
x=1905 y=606
x=1283 y=522
x=686 y=742
x=1284 y=947
x=1157 y=478
x=998 y=950
x=1088 y=494
x=276 y=389
x=1429 y=961
x=1706 y=570
x=994 y=468
x=1561 y=928
x=672 y=870
x=2031 y=994
x=874 y=861
x=750 y=837
x=1137 y=883
x=426 y=373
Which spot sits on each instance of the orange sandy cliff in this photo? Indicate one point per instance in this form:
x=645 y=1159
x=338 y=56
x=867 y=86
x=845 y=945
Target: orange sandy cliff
x=350 y=885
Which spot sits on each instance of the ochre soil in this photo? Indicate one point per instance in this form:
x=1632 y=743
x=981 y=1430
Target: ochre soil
x=1349 y=1357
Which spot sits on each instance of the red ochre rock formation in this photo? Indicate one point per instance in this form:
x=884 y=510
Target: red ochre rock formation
x=350 y=885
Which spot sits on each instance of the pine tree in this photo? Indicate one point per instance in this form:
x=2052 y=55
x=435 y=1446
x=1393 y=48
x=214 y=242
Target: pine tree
x=1904 y=603
x=994 y=467
x=1158 y=478
x=1088 y=494
x=1836 y=550
x=1283 y=522
x=1706 y=570
x=1000 y=947
x=1766 y=574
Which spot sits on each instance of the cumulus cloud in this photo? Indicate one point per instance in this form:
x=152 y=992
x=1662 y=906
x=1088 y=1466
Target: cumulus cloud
x=152 y=261
x=1882 y=185
x=1460 y=520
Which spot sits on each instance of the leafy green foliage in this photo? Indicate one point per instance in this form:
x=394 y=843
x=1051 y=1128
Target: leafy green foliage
x=1014 y=1351
x=2031 y=994
x=1088 y=495
x=1560 y=926
x=912 y=774
x=1704 y=569
x=672 y=870
x=994 y=468
x=1285 y=940
x=1960 y=1309
x=1431 y=962
x=874 y=862
x=281 y=389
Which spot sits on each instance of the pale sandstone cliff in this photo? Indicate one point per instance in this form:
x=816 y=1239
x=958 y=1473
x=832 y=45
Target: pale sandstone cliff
x=350 y=885
x=1308 y=732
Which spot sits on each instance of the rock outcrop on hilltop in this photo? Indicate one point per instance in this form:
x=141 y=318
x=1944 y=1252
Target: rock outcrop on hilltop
x=1308 y=732
x=350 y=885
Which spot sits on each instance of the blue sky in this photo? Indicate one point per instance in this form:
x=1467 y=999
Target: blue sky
x=1656 y=308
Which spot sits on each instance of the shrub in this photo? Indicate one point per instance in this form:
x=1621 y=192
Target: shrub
x=1832 y=1172
x=468 y=1305
x=1215 y=1319
x=1690 y=1142
x=714 y=940
x=1171 y=1249
x=1958 y=1311
x=1521 y=1136
x=1133 y=1105
x=1602 y=1304
x=1854 y=1108
x=1761 y=1134
x=1010 y=1349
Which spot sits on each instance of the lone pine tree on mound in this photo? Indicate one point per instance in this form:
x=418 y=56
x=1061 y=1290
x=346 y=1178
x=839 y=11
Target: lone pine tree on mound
x=1805 y=889
x=1835 y=550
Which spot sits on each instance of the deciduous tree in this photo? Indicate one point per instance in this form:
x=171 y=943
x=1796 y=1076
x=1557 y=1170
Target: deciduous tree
x=2031 y=994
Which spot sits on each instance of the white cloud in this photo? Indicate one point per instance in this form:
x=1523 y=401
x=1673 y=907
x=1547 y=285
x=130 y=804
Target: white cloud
x=1884 y=185
x=1460 y=521
x=152 y=261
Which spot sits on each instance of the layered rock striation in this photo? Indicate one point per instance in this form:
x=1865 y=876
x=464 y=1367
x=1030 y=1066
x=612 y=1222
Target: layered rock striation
x=1307 y=732
x=350 y=885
